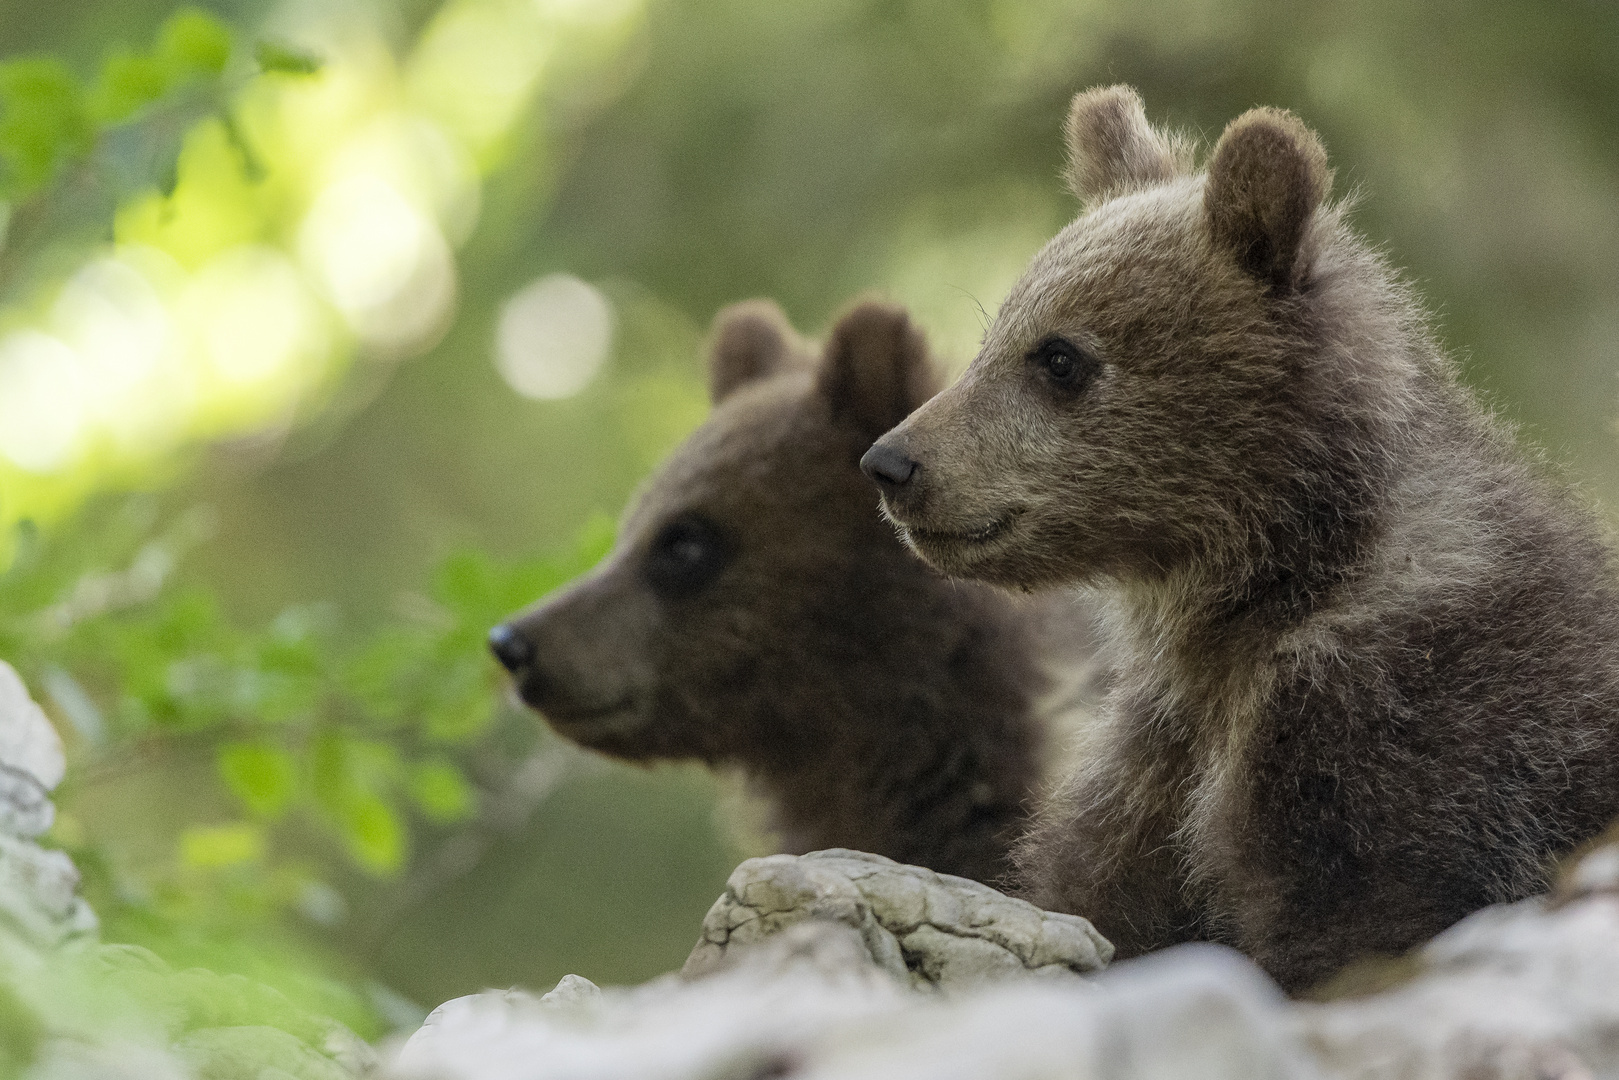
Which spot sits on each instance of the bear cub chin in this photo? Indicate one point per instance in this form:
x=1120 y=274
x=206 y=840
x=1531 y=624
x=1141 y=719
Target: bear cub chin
x=1366 y=671
x=758 y=613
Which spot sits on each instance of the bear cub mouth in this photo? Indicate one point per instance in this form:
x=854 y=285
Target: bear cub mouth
x=963 y=538
x=578 y=720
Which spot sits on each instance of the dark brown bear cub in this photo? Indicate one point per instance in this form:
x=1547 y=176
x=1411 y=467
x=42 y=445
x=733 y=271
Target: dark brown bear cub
x=1368 y=659
x=758 y=612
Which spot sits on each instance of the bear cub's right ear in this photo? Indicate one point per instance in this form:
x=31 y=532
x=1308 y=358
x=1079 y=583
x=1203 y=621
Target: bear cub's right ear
x=748 y=341
x=875 y=370
x=1267 y=176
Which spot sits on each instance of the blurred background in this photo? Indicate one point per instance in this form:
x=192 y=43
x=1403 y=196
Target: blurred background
x=331 y=331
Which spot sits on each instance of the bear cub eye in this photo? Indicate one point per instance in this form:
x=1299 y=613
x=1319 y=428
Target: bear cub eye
x=686 y=555
x=1065 y=365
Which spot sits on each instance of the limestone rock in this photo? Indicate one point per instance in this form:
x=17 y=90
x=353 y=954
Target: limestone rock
x=810 y=969
x=31 y=761
x=28 y=742
x=746 y=1021
x=1202 y=1011
x=39 y=901
x=924 y=929
x=1525 y=990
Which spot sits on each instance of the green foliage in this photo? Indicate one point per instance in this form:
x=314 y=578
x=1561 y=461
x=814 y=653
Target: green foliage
x=262 y=775
x=73 y=151
x=125 y=996
x=193 y=44
x=274 y=56
x=311 y=729
x=48 y=119
x=44 y=121
x=21 y=1031
x=357 y=732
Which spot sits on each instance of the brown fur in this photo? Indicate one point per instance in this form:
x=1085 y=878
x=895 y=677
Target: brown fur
x=1111 y=148
x=877 y=705
x=1367 y=671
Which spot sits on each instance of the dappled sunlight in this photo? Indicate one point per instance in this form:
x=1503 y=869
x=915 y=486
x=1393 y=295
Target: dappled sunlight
x=323 y=223
x=42 y=402
x=381 y=262
x=258 y=331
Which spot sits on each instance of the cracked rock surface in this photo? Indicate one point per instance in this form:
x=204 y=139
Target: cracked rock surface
x=926 y=930
x=794 y=980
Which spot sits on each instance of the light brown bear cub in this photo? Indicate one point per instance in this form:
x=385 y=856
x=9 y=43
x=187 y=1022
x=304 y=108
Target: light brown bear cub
x=758 y=612
x=1368 y=660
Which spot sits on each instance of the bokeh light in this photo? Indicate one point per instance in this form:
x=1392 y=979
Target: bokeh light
x=382 y=262
x=553 y=336
x=42 y=401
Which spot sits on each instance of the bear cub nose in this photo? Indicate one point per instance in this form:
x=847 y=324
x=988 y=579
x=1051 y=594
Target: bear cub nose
x=887 y=466
x=511 y=648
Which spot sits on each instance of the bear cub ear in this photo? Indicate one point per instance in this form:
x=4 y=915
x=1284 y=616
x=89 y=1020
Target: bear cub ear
x=748 y=341
x=1112 y=149
x=1267 y=176
x=875 y=371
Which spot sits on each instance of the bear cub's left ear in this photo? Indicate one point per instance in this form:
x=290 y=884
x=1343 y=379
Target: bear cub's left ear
x=1267 y=176
x=749 y=341
x=874 y=370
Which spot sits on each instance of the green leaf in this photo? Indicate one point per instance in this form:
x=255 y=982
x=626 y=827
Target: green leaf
x=43 y=121
x=259 y=774
x=21 y=1032
x=128 y=83
x=194 y=43
x=441 y=791
x=329 y=773
x=374 y=833
x=466 y=582
x=214 y=846
x=465 y=702
x=274 y=56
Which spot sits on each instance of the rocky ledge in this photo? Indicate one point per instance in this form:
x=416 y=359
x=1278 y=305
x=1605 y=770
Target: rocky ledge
x=844 y=965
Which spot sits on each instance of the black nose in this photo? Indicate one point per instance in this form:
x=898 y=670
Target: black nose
x=511 y=648
x=889 y=467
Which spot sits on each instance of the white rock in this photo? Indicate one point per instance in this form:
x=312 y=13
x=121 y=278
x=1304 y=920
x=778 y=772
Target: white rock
x=782 y=1011
x=28 y=742
x=1521 y=990
x=26 y=809
x=1196 y=1012
x=735 y=1024
x=924 y=929
x=796 y=977
x=38 y=894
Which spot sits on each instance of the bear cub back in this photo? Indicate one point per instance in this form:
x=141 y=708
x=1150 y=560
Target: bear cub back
x=758 y=613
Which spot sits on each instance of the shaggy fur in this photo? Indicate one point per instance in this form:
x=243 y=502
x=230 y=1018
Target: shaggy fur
x=757 y=612
x=1367 y=671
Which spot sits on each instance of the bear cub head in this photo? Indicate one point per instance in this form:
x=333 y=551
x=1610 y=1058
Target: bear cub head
x=1161 y=389
x=748 y=552
x=757 y=612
